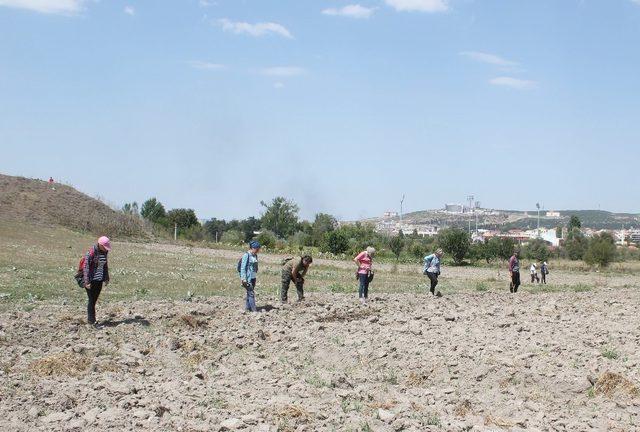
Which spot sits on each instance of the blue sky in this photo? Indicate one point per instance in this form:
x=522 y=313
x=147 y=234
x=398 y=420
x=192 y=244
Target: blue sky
x=342 y=106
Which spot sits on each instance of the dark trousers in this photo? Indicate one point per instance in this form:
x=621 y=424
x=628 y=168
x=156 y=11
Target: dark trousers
x=250 y=304
x=286 y=282
x=515 y=281
x=93 y=293
x=433 y=277
x=363 y=289
x=544 y=277
x=534 y=277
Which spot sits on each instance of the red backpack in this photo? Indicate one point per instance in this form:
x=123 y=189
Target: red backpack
x=79 y=277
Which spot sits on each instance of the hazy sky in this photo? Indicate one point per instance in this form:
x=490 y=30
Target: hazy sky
x=343 y=107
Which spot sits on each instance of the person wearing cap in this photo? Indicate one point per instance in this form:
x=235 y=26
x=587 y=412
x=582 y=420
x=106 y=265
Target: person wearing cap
x=294 y=270
x=248 y=274
x=95 y=274
x=432 y=269
x=364 y=260
x=514 y=272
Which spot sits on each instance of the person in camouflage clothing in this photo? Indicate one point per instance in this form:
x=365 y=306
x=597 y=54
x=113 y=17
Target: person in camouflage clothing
x=294 y=270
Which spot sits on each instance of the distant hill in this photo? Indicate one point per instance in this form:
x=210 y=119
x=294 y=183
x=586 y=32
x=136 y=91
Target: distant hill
x=512 y=219
x=36 y=202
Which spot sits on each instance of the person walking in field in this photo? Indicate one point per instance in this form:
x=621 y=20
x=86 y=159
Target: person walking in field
x=248 y=269
x=95 y=274
x=364 y=260
x=544 y=271
x=534 y=273
x=294 y=270
x=432 y=270
x=514 y=272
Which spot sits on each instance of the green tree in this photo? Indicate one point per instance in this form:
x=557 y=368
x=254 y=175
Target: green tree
x=576 y=244
x=153 y=210
x=396 y=244
x=248 y=227
x=601 y=250
x=322 y=224
x=574 y=222
x=335 y=242
x=184 y=218
x=418 y=249
x=455 y=242
x=280 y=216
x=130 y=208
x=559 y=232
x=538 y=250
x=504 y=247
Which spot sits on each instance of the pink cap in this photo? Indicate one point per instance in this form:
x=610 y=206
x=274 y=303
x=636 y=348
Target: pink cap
x=105 y=242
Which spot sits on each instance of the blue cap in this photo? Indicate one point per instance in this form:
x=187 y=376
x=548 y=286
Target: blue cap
x=254 y=244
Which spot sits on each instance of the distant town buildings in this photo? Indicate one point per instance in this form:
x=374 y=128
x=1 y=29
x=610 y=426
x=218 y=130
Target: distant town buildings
x=553 y=214
x=390 y=214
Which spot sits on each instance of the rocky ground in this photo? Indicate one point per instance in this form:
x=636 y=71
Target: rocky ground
x=475 y=361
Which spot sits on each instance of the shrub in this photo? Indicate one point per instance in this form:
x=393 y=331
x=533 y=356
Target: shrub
x=267 y=239
x=455 y=242
x=601 y=250
x=335 y=242
x=233 y=237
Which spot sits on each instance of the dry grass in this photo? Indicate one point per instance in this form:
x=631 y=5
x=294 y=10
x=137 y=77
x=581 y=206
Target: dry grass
x=417 y=379
x=61 y=364
x=463 y=408
x=192 y=321
x=610 y=383
x=498 y=421
x=386 y=405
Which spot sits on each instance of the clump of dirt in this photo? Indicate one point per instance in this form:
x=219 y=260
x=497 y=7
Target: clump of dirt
x=344 y=316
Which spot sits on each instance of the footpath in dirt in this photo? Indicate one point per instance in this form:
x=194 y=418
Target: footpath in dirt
x=468 y=362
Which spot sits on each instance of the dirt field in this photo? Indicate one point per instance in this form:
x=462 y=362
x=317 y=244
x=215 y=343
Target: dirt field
x=482 y=362
x=176 y=352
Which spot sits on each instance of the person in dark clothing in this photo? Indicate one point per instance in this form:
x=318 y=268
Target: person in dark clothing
x=544 y=271
x=294 y=270
x=514 y=271
x=95 y=274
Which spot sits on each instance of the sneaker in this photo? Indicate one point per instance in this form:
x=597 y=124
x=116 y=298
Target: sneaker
x=438 y=294
x=363 y=300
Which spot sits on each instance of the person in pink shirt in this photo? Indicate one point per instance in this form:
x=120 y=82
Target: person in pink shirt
x=364 y=260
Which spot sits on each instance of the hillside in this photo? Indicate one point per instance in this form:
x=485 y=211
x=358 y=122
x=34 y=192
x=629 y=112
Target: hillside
x=36 y=202
x=510 y=219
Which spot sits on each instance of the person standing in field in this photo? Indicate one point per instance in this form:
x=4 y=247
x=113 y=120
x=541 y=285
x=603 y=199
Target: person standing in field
x=514 y=272
x=95 y=274
x=248 y=269
x=294 y=270
x=432 y=270
x=544 y=271
x=364 y=260
x=534 y=273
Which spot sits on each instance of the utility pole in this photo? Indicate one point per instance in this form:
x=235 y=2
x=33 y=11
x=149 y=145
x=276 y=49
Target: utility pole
x=401 y=203
x=538 y=207
x=175 y=232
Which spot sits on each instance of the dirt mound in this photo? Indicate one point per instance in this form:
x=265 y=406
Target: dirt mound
x=35 y=201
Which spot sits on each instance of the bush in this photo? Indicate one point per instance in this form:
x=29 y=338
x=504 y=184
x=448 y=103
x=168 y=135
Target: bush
x=233 y=237
x=299 y=240
x=576 y=244
x=537 y=250
x=455 y=242
x=601 y=250
x=396 y=244
x=335 y=242
x=267 y=239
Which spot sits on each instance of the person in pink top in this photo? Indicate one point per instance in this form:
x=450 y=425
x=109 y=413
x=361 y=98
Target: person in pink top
x=364 y=260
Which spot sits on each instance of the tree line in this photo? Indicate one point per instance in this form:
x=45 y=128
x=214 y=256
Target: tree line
x=280 y=227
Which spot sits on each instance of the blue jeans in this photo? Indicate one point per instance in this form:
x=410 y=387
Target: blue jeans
x=251 y=297
x=363 y=290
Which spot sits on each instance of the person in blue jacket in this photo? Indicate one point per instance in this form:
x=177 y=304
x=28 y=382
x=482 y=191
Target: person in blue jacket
x=248 y=274
x=432 y=269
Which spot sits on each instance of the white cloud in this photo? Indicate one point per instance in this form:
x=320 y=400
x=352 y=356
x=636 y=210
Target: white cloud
x=419 y=5
x=283 y=71
x=129 y=10
x=197 y=64
x=636 y=2
x=207 y=3
x=351 y=11
x=62 y=7
x=515 y=83
x=488 y=58
x=278 y=85
x=257 y=30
